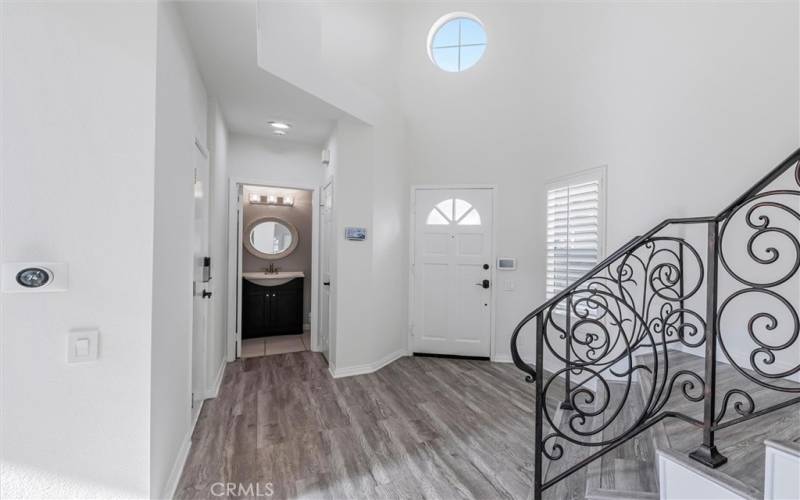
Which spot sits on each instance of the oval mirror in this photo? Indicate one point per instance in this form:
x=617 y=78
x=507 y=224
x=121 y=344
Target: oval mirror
x=271 y=238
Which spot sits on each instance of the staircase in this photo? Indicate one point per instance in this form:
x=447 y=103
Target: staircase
x=668 y=346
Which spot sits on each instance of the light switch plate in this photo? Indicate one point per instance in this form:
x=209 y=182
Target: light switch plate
x=82 y=345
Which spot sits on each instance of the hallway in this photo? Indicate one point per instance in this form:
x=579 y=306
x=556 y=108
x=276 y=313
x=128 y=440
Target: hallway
x=419 y=427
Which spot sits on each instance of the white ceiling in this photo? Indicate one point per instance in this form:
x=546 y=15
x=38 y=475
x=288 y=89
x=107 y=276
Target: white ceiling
x=224 y=41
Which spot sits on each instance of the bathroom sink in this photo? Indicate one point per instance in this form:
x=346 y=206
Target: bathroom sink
x=272 y=279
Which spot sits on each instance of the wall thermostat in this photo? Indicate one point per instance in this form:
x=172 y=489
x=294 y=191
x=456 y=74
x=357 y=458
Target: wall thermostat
x=27 y=277
x=506 y=264
x=355 y=233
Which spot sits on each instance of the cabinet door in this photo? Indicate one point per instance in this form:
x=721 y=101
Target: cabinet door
x=254 y=309
x=286 y=312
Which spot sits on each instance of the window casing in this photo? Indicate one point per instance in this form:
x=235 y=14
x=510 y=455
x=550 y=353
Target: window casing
x=456 y=42
x=575 y=228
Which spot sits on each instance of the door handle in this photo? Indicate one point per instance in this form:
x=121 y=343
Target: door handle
x=206 y=294
x=326 y=283
x=484 y=284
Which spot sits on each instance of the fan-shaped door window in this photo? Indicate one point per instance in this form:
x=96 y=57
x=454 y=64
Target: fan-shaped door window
x=453 y=211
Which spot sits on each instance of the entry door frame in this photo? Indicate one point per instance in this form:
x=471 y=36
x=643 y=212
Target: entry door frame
x=235 y=234
x=412 y=255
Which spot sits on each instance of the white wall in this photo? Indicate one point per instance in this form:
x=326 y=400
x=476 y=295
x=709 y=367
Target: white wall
x=77 y=158
x=674 y=98
x=686 y=103
x=352 y=275
x=390 y=209
x=278 y=163
x=344 y=61
x=181 y=114
x=369 y=283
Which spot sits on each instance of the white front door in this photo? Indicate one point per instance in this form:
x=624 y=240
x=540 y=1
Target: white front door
x=326 y=231
x=201 y=292
x=452 y=272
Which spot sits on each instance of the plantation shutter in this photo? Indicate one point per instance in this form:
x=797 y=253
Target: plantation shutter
x=573 y=233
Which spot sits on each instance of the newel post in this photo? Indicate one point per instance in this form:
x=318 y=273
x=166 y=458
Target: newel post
x=707 y=453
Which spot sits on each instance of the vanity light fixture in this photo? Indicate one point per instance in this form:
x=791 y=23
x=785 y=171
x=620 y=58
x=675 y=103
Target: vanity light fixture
x=271 y=199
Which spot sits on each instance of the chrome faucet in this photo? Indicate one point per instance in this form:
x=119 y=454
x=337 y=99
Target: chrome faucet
x=272 y=269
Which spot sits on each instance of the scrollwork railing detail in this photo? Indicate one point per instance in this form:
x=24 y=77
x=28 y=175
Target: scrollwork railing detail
x=617 y=325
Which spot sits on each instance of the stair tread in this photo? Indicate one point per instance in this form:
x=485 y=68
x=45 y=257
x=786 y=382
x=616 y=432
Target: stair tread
x=743 y=444
x=628 y=471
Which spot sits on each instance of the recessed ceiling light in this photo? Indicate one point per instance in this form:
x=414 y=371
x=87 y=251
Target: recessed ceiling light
x=279 y=132
x=280 y=125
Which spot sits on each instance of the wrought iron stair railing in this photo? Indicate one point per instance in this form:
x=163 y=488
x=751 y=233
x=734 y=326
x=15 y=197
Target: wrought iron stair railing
x=708 y=285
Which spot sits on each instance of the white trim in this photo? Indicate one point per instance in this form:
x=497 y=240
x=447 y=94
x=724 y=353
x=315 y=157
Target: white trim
x=364 y=369
x=317 y=254
x=676 y=474
x=171 y=485
x=233 y=252
x=444 y=20
x=492 y=268
x=213 y=390
x=502 y=359
x=235 y=245
x=780 y=461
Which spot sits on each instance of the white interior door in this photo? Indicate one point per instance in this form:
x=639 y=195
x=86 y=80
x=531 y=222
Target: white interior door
x=326 y=233
x=452 y=272
x=201 y=292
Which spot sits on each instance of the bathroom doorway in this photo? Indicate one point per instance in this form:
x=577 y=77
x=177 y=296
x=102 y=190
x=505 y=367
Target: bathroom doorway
x=276 y=277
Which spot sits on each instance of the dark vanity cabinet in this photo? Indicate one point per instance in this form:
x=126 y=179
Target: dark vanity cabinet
x=272 y=310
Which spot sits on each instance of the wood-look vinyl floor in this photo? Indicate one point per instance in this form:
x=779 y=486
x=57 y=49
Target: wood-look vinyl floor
x=434 y=428
x=418 y=428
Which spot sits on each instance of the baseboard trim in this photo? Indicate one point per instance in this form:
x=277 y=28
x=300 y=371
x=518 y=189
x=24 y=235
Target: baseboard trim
x=170 y=488
x=502 y=359
x=450 y=356
x=180 y=461
x=213 y=391
x=349 y=371
x=606 y=494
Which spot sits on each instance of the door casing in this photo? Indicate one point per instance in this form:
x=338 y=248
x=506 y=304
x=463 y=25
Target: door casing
x=411 y=257
x=325 y=293
x=200 y=305
x=235 y=233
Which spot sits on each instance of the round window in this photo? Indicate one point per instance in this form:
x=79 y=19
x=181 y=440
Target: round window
x=456 y=42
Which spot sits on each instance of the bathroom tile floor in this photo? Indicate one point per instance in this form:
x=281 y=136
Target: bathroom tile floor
x=281 y=344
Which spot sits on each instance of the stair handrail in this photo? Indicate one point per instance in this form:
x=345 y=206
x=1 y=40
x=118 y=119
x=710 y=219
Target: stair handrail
x=636 y=242
x=757 y=196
